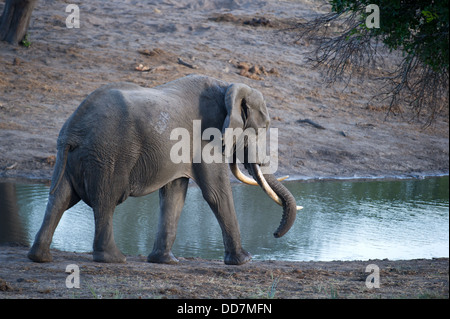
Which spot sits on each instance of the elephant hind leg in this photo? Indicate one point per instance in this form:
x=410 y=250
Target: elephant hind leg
x=171 y=198
x=63 y=198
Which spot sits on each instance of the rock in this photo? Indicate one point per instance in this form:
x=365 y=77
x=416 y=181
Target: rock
x=5 y=286
x=244 y=66
x=256 y=22
x=254 y=71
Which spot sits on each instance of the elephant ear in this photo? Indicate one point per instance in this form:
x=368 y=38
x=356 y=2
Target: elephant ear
x=236 y=108
x=234 y=99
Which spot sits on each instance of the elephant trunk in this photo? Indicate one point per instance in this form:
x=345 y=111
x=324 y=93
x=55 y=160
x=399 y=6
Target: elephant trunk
x=288 y=201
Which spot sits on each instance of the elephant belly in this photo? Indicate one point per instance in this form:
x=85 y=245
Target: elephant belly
x=150 y=175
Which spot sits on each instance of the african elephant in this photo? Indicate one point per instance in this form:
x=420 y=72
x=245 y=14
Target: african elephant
x=116 y=144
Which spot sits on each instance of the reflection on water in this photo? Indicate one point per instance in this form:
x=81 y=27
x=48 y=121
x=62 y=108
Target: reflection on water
x=342 y=220
x=10 y=224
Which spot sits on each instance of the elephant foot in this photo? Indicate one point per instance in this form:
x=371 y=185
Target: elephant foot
x=162 y=258
x=40 y=255
x=109 y=257
x=239 y=258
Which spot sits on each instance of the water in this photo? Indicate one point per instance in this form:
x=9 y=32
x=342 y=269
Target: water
x=342 y=220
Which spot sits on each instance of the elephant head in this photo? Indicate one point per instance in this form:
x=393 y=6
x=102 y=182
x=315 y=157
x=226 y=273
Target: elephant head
x=246 y=109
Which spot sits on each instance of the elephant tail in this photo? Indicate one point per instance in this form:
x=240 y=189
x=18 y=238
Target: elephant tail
x=60 y=167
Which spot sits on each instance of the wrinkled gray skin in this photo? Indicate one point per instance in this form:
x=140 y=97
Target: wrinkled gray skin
x=116 y=144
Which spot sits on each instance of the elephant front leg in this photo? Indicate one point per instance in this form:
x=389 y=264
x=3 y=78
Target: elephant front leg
x=216 y=190
x=171 y=198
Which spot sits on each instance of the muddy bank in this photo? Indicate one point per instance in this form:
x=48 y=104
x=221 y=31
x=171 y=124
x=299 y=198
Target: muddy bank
x=198 y=278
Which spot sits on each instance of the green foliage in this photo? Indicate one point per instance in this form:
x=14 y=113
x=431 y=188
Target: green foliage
x=25 y=42
x=418 y=28
x=273 y=288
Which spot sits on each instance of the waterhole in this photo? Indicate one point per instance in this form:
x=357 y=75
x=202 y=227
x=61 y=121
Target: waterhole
x=341 y=220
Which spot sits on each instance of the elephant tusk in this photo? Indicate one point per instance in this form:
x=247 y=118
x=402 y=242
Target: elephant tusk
x=269 y=191
x=241 y=176
x=245 y=179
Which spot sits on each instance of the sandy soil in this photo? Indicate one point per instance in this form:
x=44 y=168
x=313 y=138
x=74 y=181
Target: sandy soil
x=199 y=278
x=40 y=86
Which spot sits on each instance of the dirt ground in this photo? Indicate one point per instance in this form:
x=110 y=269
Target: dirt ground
x=198 y=278
x=238 y=41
